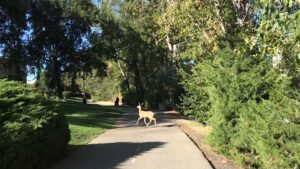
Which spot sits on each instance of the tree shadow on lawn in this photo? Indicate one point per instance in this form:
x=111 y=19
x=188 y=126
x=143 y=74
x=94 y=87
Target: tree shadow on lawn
x=88 y=115
x=106 y=155
x=90 y=121
x=73 y=107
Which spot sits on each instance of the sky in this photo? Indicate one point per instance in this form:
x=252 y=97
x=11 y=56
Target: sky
x=31 y=77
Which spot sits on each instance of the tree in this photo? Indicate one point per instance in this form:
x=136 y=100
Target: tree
x=60 y=39
x=130 y=35
x=252 y=108
x=12 y=47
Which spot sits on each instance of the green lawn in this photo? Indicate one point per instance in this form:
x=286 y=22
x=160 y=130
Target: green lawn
x=86 y=121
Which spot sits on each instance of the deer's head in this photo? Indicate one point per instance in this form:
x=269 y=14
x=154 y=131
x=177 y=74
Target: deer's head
x=139 y=106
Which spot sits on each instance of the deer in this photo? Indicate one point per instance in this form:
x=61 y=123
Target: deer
x=144 y=115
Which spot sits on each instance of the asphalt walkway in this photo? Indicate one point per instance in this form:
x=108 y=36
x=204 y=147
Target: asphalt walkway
x=129 y=146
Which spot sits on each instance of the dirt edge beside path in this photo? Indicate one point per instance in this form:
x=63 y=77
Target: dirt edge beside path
x=196 y=132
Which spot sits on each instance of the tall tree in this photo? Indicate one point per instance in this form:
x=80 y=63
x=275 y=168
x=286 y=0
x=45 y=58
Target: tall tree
x=60 y=39
x=12 y=45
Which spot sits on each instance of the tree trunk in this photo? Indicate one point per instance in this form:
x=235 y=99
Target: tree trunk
x=125 y=76
x=241 y=10
x=38 y=76
x=59 y=88
x=73 y=83
x=137 y=80
x=56 y=75
x=219 y=14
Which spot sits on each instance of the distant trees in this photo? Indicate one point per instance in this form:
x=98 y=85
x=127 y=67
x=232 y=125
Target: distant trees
x=102 y=87
x=131 y=36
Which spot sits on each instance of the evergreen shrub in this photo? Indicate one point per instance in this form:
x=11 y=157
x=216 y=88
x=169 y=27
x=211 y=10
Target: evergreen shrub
x=195 y=103
x=251 y=106
x=255 y=118
x=31 y=133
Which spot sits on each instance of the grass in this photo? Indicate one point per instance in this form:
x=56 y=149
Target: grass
x=86 y=121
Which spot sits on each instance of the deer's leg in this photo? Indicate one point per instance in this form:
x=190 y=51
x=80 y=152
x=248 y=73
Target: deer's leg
x=137 y=122
x=147 y=124
x=150 y=120
x=154 y=120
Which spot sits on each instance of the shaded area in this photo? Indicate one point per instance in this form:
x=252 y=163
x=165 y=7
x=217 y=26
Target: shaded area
x=106 y=155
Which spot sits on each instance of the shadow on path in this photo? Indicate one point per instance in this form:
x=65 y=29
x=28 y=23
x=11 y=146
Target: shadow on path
x=105 y=155
x=131 y=146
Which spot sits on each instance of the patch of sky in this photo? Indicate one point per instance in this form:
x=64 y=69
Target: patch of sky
x=256 y=18
x=31 y=77
x=31 y=73
x=96 y=29
x=114 y=4
x=26 y=37
x=189 y=62
x=96 y=2
x=1 y=50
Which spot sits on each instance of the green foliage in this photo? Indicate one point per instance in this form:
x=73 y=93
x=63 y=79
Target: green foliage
x=239 y=88
x=107 y=90
x=59 y=42
x=253 y=114
x=66 y=94
x=279 y=35
x=238 y=59
x=28 y=127
x=195 y=102
x=254 y=119
x=102 y=87
x=12 y=28
x=130 y=35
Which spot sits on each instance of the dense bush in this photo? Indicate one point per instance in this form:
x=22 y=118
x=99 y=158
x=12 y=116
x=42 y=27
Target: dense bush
x=31 y=134
x=195 y=103
x=255 y=118
x=102 y=88
x=106 y=89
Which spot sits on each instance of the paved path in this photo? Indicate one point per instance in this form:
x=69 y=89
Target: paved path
x=129 y=146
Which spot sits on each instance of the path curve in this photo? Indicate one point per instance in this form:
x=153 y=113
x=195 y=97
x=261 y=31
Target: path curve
x=129 y=146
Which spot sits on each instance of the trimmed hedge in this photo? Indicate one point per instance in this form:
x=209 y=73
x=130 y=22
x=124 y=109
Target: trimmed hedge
x=31 y=133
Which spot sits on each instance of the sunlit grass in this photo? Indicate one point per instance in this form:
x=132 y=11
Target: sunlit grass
x=86 y=121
